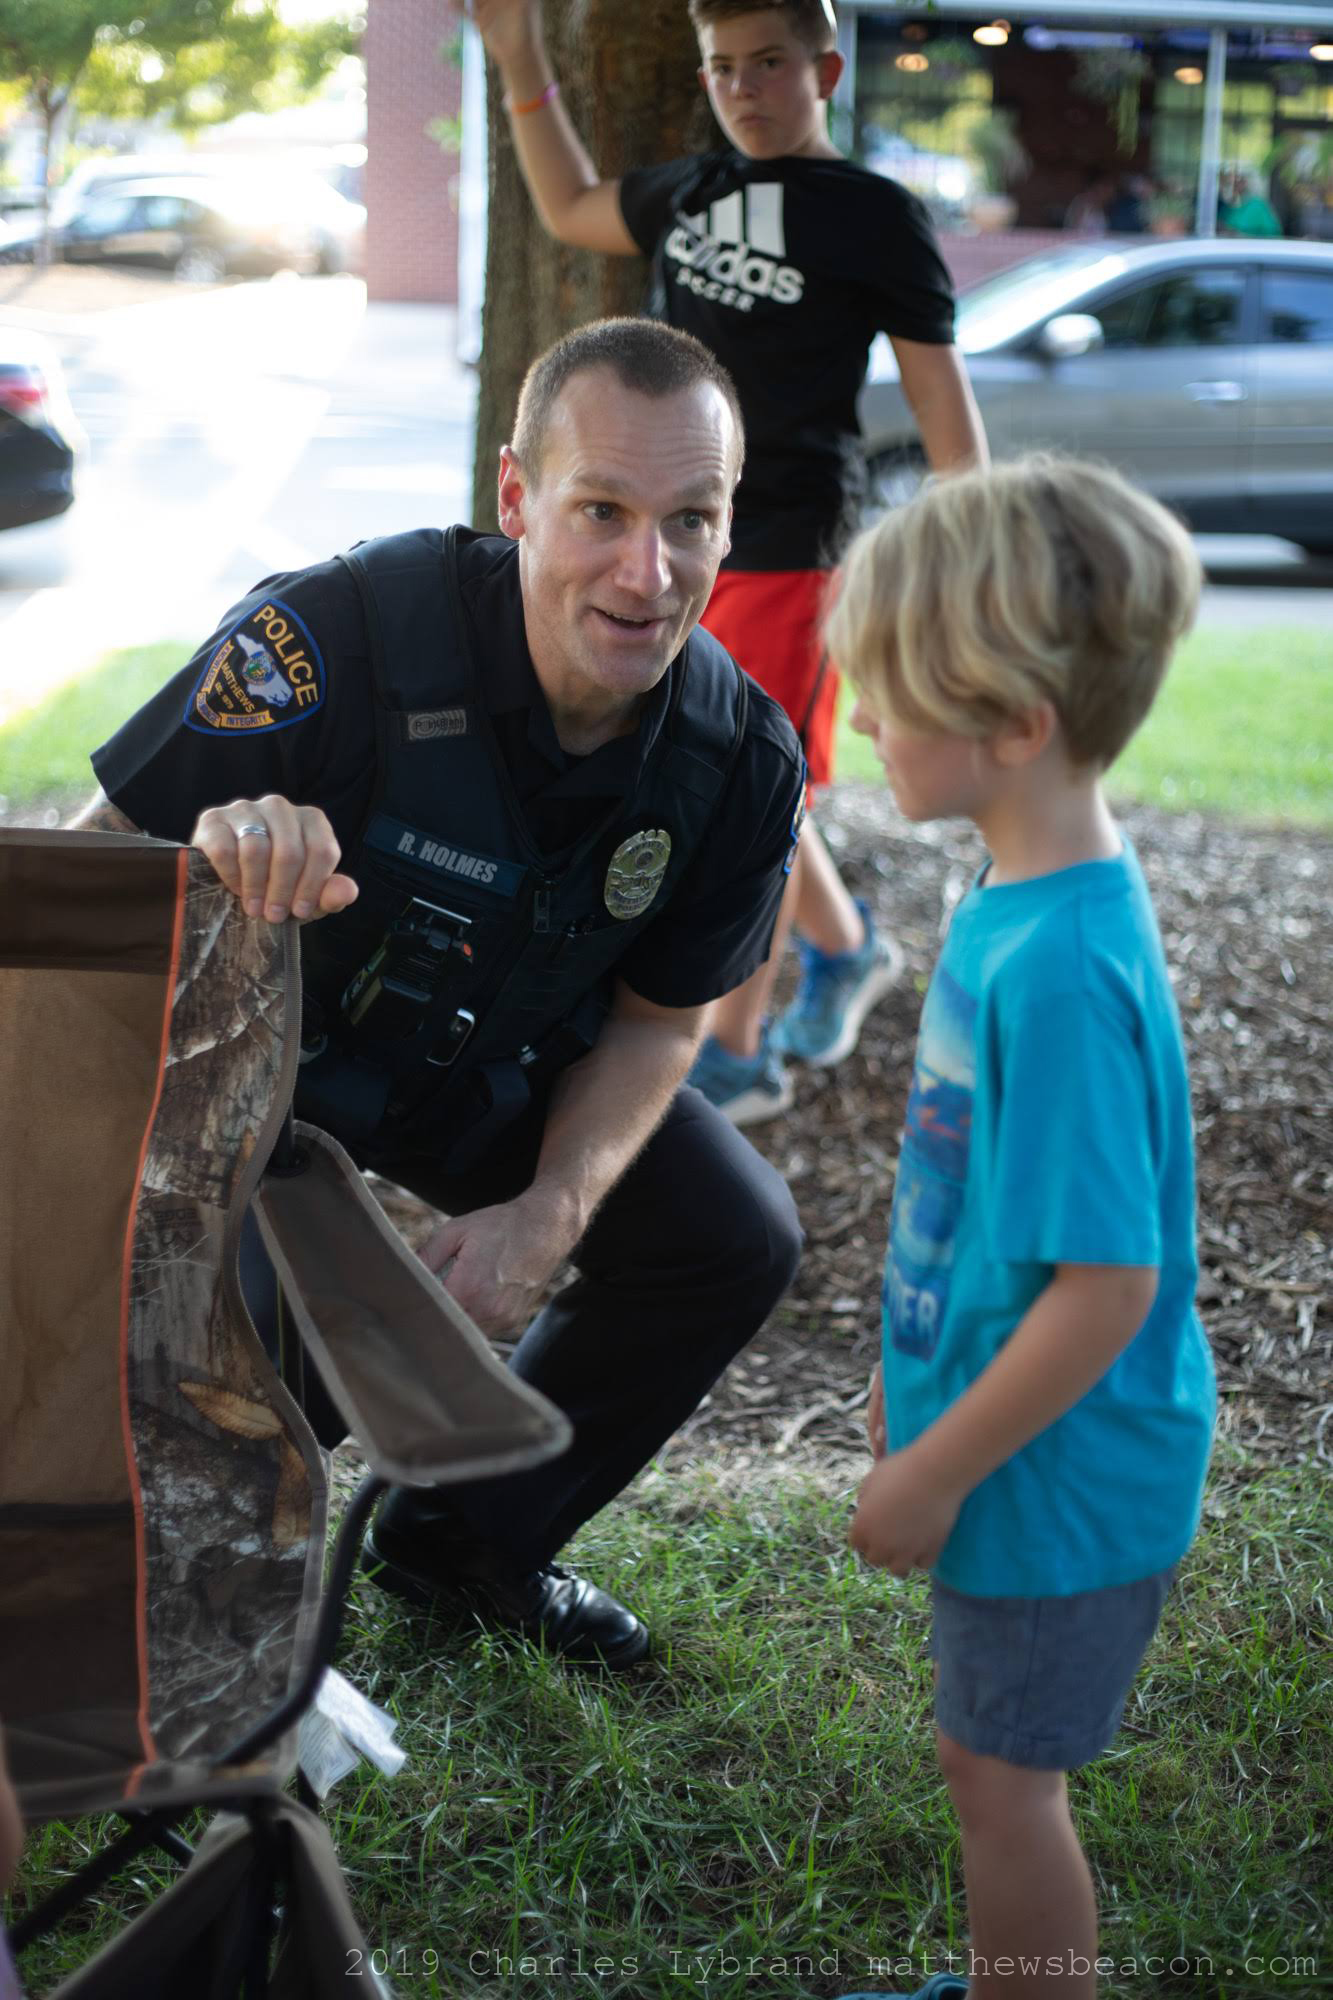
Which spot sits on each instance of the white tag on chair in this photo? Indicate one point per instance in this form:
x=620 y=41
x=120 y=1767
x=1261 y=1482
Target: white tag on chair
x=341 y=1729
x=323 y=1753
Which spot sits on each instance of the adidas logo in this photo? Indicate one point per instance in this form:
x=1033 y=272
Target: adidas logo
x=733 y=252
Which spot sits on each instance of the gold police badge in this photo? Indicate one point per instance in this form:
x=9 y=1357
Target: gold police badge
x=634 y=873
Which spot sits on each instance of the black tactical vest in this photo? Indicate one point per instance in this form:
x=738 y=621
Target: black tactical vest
x=472 y=966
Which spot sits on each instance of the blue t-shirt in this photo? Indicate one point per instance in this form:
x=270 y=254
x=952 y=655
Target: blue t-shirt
x=1049 y=1124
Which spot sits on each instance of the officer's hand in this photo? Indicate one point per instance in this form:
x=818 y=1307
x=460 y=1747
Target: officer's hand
x=500 y=1261
x=276 y=857
x=511 y=29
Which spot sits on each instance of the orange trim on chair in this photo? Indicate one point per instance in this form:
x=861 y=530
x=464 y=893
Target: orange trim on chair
x=131 y=1462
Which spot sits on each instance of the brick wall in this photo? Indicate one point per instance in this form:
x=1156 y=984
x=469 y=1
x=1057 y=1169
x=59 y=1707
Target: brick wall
x=411 y=182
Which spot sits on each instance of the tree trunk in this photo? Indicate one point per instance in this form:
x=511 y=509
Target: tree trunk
x=49 y=106
x=627 y=74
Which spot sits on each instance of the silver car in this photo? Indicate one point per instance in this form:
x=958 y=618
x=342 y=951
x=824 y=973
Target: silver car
x=1202 y=368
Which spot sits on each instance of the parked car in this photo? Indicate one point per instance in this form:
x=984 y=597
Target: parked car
x=196 y=229
x=39 y=437
x=1203 y=368
x=288 y=188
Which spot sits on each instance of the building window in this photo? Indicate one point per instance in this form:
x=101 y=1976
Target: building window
x=919 y=106
x=1177 y=128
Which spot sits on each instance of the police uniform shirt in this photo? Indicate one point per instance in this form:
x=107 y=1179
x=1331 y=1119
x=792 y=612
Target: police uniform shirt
x=787 y=269
x=306 y=731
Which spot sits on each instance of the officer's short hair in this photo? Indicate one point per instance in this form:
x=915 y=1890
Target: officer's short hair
x=812 y=21
x=643 y=354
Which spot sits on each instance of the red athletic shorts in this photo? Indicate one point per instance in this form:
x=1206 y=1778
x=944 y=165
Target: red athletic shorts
x=768 y=620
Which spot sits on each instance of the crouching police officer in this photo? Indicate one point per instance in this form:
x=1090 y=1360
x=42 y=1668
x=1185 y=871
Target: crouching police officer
x=545 y=820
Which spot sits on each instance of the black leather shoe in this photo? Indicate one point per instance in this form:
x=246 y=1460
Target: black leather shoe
x=567 y=1614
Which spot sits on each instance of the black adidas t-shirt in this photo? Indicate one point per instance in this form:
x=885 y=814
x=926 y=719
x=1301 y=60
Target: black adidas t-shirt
x=280 y=699
x=788 y=269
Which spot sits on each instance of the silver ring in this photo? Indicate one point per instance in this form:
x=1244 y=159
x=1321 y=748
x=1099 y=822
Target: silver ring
x=258 y=832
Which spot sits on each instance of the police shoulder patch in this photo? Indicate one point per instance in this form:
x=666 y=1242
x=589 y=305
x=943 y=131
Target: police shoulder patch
x=267 y=672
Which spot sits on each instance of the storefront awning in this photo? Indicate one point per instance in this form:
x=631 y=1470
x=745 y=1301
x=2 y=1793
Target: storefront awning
x=1127 y=13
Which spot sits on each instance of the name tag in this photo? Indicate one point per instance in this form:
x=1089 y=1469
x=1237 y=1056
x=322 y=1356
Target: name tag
x=430 y=854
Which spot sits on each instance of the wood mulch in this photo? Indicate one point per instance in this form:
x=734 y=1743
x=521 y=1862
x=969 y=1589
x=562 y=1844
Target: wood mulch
x=1247 y=919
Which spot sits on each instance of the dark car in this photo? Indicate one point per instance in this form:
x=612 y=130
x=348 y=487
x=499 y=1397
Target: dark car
x=1202 y=368
x=199 y=230
x=39 y=438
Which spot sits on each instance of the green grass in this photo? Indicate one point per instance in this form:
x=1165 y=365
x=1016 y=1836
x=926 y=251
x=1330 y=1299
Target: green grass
x=45 y=752
x=766 y=1789
x=1243 y=727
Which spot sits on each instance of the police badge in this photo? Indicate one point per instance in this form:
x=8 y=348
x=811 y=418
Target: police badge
x=634 y=872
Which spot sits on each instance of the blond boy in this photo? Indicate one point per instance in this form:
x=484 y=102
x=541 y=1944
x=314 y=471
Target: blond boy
x=1043 y=1416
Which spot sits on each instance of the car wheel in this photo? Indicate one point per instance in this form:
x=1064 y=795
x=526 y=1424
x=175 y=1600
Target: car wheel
x=199 y=266
x=895 y=477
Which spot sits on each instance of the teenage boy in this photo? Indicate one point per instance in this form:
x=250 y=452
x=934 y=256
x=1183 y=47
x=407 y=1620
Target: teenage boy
x=1042 y=1420
x=785 y=259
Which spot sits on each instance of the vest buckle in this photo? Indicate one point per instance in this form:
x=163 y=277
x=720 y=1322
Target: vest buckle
x=450 y=1044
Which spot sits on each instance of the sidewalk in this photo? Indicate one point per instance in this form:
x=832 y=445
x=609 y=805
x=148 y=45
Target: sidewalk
x=51 y=297
x=212 y=403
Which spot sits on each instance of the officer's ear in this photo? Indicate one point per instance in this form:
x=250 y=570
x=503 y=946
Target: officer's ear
x=512 y=494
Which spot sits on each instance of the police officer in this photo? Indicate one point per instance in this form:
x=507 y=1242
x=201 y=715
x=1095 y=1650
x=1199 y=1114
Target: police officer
x=545 y=820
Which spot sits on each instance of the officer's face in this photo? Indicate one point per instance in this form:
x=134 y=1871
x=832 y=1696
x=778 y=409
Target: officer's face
x=620 y=538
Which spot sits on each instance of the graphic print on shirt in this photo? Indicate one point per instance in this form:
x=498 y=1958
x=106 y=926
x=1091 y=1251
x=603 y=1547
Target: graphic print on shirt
x=932 y=1170
x=734 y=251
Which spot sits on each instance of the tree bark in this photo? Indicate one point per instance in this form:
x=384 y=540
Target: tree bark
x=627 y=75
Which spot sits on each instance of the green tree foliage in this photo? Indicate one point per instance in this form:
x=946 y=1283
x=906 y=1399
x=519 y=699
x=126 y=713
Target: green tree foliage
x=194 y=61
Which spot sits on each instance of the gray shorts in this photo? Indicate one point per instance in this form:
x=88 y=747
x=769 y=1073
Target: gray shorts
x=1041 y=1681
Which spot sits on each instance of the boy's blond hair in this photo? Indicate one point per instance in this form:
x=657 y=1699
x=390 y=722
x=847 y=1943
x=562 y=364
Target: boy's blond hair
x=1040 y=579
x=812 y=21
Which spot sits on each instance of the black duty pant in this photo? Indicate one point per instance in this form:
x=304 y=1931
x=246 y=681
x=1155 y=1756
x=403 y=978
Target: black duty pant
x=682 y=1264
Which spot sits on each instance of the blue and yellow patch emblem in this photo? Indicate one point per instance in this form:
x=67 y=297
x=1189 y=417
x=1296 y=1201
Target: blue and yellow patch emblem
x=267 y=673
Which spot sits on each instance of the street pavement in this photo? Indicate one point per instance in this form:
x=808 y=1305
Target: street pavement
x=240 y=430
x=233 y=432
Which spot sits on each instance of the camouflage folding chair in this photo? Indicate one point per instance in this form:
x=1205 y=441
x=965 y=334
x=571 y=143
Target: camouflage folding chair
x=163 y=1617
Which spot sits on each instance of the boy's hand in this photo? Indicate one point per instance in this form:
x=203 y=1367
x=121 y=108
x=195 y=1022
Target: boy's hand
x=511 y=29
x=875 y=1429
x=901 y=1521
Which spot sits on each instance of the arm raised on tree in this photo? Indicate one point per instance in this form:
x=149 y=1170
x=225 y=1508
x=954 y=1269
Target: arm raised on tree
x=934 y=379
x=575 y=205
x=602 y=1112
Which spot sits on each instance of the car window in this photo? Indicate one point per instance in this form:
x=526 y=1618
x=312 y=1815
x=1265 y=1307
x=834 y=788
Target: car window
x=1296 y=307
x=1187 y=309
x=163 y=211
x=104 y=215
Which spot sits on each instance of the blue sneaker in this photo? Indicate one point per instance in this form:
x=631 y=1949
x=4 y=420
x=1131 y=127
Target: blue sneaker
x=836 y=993
x=746 y=1089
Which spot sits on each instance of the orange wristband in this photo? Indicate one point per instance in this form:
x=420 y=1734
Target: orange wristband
x=548 y=96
